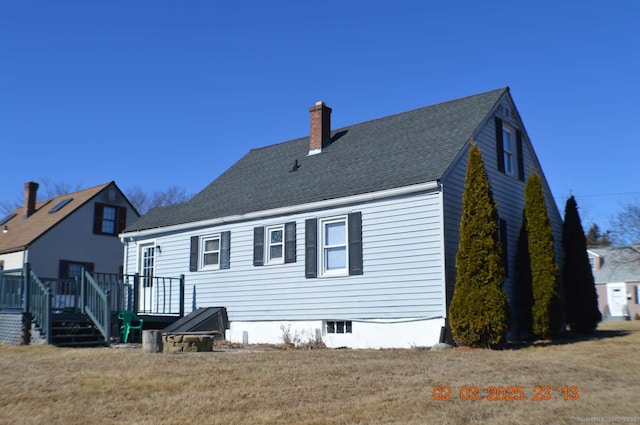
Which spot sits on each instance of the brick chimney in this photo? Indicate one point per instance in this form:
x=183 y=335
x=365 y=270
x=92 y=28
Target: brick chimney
x=30 y=189
x=320 y=127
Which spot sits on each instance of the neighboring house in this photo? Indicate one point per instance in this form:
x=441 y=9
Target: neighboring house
x=59 y=236
x=617 y=276
x=348 y=234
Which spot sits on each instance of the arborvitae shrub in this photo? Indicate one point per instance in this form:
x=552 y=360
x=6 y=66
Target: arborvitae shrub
x=546 y=310
x=478 y=314
x=523 y=295
x=581 y=298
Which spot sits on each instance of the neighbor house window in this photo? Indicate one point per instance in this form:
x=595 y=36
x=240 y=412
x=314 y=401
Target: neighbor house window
x=334 y=250
x=275 y=244
x=72 y=269
x=339 y=327
x=211 y=252
x=109 y=219
x=333 y=246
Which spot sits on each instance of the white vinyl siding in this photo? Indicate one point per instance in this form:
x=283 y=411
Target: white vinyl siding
x=402 y=262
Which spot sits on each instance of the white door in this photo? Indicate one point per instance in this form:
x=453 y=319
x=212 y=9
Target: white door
x=617 y=297
x=147 y=262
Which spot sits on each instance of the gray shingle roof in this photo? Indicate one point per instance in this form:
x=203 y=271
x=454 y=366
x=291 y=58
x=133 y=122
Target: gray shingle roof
x=620 y=264
x=398 y=150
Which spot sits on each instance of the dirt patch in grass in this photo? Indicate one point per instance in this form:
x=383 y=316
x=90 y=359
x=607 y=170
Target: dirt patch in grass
x=48 y=385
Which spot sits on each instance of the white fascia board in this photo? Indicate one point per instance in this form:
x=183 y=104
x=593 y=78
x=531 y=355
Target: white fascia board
x=329 y=203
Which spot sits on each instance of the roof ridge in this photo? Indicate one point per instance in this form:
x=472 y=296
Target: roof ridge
x=103 y=185
x=433 y=105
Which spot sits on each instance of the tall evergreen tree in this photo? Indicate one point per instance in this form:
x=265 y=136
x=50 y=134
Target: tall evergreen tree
x=478 y=314
x=523 y=295
x=581 y=298
x=596 y=238
x=546 y=312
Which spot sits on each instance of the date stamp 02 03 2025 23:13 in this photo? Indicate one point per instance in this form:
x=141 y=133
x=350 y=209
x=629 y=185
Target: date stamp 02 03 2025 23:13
x=502 y=393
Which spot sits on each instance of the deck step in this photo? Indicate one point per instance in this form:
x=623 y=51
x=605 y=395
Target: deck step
x=75 y=330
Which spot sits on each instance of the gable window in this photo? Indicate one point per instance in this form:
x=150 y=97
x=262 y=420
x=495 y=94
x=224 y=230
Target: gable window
x=274 y=244
x=109 y=219
x=339 y=327
x=210 y=252
x=333 y=246
x=509 y=150
x=508 y=143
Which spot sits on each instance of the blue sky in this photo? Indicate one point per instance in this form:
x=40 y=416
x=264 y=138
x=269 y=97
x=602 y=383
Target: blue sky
x=165 y=93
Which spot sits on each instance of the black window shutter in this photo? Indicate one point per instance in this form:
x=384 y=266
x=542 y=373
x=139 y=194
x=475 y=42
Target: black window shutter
x=89 y=267
x=258 y=246
x=193 y=256
x=520 y=158
x=355 y=244
x=505 y=252
x=311 y=248
x=97 y=219
x=499 y=145
x=290 y=242
x=122 y=220
x=63 y=269
x=225 y=250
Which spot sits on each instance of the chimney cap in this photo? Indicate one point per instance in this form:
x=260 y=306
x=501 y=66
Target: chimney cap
x=319 y=103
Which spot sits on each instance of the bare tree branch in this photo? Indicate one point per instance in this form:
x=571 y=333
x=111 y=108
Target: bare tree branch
x=626 y=225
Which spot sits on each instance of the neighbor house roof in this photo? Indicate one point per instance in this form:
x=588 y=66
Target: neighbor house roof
x=616 y=265
x=386 y=153
x=21 y=232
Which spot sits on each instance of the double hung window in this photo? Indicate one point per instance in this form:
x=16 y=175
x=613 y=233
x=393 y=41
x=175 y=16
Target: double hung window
x=211 y=252
x=334 y=250
x=333 y=246
x=109 y=219
x=509 y=150
x=508 y=145
x=275 y=244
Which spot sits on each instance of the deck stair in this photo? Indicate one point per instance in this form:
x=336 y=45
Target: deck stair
x=71 y=329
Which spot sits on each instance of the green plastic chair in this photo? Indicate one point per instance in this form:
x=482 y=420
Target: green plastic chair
x=127 y=327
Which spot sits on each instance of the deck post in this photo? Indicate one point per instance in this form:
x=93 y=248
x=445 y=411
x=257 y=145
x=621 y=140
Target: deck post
x=26 y=290
x=47 y=315
x=181 y=295
x=83 y=291
x=136 y=292
x=107 y=318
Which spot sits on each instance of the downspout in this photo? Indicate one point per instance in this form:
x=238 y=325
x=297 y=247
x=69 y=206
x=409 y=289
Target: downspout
x=443 y=329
